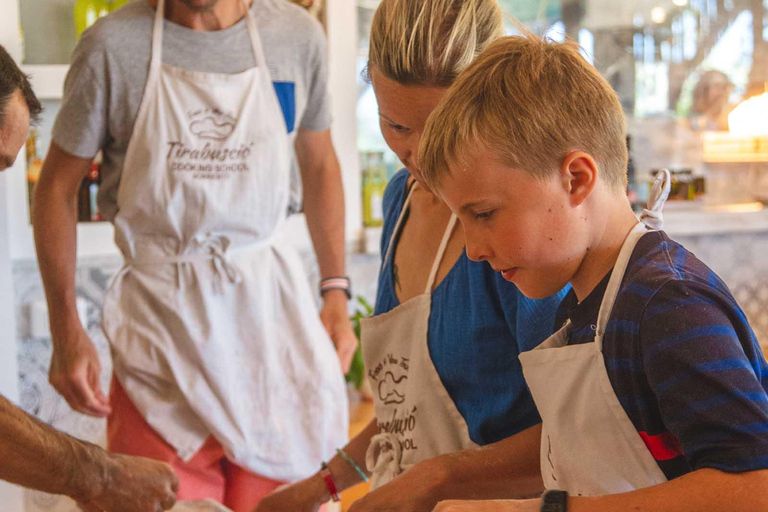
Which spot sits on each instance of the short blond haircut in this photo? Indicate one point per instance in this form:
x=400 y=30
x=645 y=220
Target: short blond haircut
x=428 y=43
x=530 y=102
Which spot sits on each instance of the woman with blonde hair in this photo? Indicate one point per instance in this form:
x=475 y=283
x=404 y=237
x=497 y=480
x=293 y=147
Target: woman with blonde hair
x=441 y=351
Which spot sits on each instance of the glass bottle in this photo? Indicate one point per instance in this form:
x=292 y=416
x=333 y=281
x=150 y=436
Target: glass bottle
x=374 y=184
x=87 y=12
x=34 y=166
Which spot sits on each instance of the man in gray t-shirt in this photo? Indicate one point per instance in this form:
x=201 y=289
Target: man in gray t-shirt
x=109 y=70
x=103 y=95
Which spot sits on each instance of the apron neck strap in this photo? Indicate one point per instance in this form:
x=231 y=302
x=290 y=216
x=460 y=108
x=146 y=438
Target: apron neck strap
x=399 y=224
x=157 y=36
x=443 y=243
x=651 y=218
x=617 y=276
x=440 y=253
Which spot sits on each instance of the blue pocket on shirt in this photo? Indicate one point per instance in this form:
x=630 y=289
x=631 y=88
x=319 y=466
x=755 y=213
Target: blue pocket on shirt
x=286 y=94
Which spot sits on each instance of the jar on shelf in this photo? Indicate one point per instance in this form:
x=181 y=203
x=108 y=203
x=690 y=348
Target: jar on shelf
x=683 y=185
x=87 y=208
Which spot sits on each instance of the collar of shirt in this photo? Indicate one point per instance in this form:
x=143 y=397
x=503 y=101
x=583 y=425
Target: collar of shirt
x=582 y=314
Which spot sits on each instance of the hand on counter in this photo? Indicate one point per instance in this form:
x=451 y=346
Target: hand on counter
x=134 y=484
x=489 y=506
x=75 y=372
x=304 y=496
x=37 y=456
x=335 y=318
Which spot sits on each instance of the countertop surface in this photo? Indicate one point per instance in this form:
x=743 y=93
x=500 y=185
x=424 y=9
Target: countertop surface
x=695 y=219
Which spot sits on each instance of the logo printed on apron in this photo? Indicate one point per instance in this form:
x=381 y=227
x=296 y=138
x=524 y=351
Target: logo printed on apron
x=416 y=416
x=208 y=157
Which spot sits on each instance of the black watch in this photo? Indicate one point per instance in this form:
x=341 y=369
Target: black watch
x=554 y=501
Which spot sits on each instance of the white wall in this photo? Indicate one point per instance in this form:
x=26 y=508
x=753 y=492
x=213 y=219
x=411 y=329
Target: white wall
x=342 y=48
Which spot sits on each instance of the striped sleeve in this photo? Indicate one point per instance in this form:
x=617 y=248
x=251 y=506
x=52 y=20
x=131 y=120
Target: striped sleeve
x=705 y=367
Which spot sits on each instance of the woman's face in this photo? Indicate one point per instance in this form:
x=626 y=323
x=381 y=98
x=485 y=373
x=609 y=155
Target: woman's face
x=403 y=112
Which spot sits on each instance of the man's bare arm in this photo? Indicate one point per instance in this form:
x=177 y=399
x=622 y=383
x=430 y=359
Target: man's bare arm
x=37 y=456
x=75 y=366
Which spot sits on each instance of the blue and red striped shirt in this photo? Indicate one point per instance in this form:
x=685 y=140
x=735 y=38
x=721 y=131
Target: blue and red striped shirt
x=683 y=361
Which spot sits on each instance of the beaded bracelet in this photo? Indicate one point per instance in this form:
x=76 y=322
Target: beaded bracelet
x=352 y=463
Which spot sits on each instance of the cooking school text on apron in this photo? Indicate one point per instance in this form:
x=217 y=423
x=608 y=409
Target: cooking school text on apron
x=417 y=418
x=211 y=320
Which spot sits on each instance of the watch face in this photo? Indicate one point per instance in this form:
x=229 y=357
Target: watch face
x=554 y=501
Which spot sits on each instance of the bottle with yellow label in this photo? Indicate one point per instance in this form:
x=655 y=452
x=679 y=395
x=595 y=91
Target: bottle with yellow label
x=374 y=184
x=116 y=4
x=34 y=166
x=87 y=12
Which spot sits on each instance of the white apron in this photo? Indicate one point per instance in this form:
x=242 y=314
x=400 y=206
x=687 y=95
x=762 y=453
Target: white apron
x=211 y=320
x=589 y=446
x=416 y=415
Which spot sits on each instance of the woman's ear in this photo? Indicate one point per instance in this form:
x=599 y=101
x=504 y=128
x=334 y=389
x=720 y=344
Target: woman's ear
x=579 y=173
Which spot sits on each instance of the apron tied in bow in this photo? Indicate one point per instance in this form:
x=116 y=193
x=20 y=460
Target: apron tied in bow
x=216 y=247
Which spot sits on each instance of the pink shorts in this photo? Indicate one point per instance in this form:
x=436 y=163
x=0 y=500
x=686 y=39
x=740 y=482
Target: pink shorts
x=207 y=475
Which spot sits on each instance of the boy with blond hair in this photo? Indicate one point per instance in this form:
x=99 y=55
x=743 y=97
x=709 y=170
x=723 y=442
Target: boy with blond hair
x=653 y=393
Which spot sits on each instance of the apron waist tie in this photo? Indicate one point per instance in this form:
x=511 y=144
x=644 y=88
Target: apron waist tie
x=214 y=248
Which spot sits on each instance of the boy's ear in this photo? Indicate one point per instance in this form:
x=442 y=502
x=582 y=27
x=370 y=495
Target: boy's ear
x=579 y=174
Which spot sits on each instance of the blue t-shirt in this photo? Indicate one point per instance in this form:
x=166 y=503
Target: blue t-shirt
x=478 y=325
x=682 y=360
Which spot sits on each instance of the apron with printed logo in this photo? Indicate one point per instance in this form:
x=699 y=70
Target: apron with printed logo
x=416 y=416
x=212 y=323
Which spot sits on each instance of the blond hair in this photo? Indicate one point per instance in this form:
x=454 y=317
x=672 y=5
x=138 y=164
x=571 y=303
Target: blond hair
x=531 y=102
x=427 y=43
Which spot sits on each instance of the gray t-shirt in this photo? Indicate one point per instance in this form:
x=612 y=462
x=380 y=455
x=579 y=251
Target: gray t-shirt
x=110 y=64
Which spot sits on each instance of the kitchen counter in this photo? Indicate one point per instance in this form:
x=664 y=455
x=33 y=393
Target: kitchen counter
x=695 y=219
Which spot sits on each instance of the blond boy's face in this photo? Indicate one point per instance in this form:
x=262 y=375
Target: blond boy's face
x=526 y=228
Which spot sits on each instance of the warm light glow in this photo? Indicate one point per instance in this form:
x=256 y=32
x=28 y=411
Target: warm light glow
x=750 y=118
x=658 y=15
x=736 y=208
x=726 y=147
x=680 y=3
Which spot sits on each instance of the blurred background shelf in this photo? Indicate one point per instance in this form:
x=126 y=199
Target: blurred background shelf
x=47 y=79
